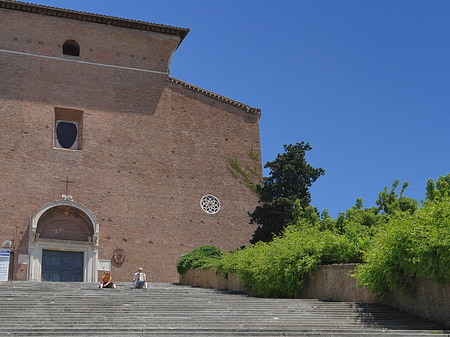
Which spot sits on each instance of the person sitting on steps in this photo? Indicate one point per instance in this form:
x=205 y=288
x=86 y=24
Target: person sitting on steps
x=140 y=279
x=107 y=281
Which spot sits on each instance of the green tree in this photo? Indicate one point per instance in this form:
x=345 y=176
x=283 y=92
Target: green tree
x=438 y=190
x=359 y=224
x=289 y=181
x=389 y=202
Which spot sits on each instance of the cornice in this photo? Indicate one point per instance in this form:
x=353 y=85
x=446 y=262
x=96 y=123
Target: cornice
x=216 y=96
x=95 y=18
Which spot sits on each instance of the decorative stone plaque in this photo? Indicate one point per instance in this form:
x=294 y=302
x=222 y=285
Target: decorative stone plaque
x=104 y=265
x=119 y=256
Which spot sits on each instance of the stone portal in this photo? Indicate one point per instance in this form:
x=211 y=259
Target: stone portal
x=63 y=243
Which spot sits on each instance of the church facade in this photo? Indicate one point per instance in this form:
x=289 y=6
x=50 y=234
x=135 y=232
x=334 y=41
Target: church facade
x=107 y=162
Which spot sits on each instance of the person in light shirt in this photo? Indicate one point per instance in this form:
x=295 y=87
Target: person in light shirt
x=140 y=279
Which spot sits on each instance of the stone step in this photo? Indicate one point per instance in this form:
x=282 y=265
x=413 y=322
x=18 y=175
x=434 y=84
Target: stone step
x=81 y=309
x=206 y=332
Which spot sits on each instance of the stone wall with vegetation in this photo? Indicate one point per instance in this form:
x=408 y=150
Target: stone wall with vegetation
x=334 y=283
x=401 y=252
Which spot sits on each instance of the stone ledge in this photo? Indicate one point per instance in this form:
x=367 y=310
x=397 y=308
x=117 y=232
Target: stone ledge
x=208 y=278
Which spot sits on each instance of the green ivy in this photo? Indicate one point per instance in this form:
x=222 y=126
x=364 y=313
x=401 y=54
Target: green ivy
x=248 y=174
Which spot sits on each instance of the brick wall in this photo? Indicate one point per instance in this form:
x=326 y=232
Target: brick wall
x=151 y=148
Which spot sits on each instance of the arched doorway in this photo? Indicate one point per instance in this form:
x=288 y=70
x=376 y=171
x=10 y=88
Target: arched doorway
x=63 y=243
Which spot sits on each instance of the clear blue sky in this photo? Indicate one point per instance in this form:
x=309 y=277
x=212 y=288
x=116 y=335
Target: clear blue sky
x=366 y=83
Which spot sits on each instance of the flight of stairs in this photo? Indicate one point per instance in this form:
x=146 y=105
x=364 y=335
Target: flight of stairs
x=82 y=309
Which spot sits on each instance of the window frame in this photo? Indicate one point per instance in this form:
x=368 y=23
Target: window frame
x=68 y=115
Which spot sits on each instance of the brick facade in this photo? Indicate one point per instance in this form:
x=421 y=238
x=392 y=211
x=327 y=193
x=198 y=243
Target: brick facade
x=151 y=147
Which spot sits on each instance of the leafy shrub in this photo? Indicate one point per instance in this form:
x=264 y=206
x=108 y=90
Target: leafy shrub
x=197 y=258
x=397 y=241
x=278 y=268
x=416 y=246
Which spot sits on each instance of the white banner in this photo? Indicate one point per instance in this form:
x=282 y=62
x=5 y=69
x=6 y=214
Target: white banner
x=4 y=265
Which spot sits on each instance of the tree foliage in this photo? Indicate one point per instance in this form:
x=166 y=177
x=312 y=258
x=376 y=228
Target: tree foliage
x=396 y=240
x=278 y=268
x=389 y=205
x=409 y=247
x=289 y=181
x=438 y=190
x=389 y=202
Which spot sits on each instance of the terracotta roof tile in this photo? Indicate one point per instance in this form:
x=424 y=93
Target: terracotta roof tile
x=216 y=96
x=90 y=17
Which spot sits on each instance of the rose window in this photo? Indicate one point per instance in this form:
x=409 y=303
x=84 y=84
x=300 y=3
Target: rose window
x=210 y=204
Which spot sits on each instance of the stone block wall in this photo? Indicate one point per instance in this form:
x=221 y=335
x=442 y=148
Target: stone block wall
x=334 y=283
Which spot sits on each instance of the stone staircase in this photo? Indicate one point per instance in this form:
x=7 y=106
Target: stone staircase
x=82 y=309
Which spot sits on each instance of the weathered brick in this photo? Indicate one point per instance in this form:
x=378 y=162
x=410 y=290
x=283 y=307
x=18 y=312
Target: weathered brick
x=151 y=147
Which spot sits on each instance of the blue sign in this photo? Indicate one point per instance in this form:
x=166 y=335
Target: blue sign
x=4 y=264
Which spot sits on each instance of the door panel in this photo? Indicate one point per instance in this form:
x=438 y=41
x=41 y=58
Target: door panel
x=59 y=266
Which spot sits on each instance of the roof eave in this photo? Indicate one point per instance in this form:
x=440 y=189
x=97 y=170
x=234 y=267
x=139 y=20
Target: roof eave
x=95 y=18
x=211 y=94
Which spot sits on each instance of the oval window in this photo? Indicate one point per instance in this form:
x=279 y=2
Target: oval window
x=66 y=134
